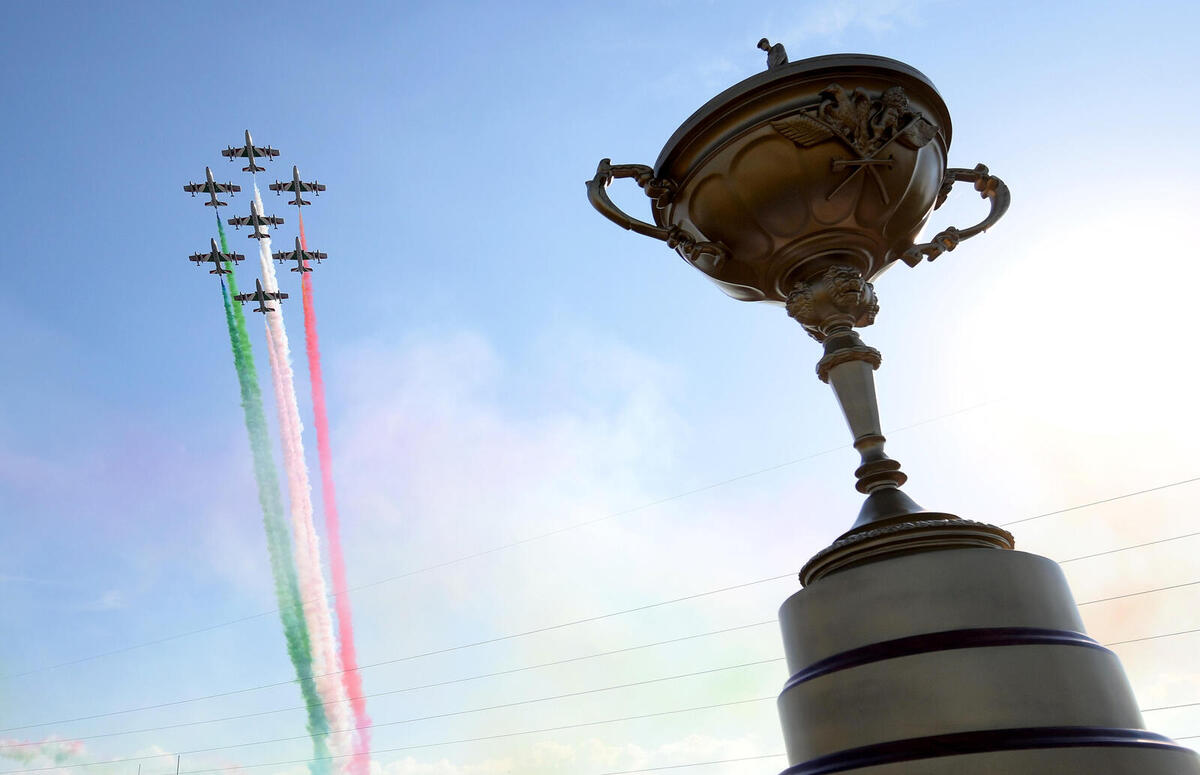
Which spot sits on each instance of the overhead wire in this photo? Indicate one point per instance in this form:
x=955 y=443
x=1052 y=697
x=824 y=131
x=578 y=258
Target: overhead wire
x=1151 y=637
x=499 y=548
x=547 y=628
x=466 y=740
x=482 y=553
x=1172 y=707
x=464 y=679
x=403 y=748
x=445 y=650
x=1143 y=592
x=575 y=694
x=1128 y=548
x=510 y=671
x=585 y=523
x=437 y=684
x=632 y=610
x=1102 y=501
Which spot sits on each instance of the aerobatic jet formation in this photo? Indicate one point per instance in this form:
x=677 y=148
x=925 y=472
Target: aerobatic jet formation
x=250 y=151
x=260 y=222
x=262 y=297
x=216 y=258
x=212 y=188
x=297 y=187
x=299 y=255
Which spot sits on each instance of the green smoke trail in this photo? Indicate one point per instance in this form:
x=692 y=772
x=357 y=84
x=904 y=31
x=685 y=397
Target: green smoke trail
x=283 y=567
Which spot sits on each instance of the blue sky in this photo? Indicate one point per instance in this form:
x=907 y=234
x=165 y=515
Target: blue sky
x=502 y=362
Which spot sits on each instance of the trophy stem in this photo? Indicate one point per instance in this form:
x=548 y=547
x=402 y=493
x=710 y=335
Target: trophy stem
x=848 y=366
x=829 y=306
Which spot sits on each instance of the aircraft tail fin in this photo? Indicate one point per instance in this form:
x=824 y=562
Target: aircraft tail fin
x=298 y=201
x=218 y=203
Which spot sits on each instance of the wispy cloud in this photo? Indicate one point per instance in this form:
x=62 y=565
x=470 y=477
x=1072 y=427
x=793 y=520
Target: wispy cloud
x=109 y=600
x=831 y=19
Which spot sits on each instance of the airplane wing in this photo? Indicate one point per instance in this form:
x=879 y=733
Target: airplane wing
x=271 y=219
x=234 y=153
x=199 y=258
x=281 y=256
x=242 y=221
x=245 y=297
x=276 y=295
x=194 y=188
x=280 y=186
x=268 y=151
x=318 y=255
x=225 y=188
x=312 y=186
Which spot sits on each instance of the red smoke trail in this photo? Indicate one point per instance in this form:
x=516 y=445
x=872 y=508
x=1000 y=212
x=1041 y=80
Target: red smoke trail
x=352 y=679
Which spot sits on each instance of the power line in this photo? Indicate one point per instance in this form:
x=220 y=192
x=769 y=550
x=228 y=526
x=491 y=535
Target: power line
x=580 y=621
x=1127 y=548
x=1152 y=637
x=509 y=671
x=393 y=750
x=493 y=550
x=1171 y=707
x=480 y=676
x=1104 y=500
x=405 y=689
x=503 y=638
x=1143 y=592
x=444 y=650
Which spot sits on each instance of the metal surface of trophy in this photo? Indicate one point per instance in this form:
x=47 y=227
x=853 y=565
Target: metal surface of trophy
x=921 y=643
x=799 y=186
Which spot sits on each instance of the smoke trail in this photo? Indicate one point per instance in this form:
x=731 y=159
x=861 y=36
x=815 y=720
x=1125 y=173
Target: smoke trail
x=351 y=678
x=308 y=560
x=279 y=547
x=52 y=750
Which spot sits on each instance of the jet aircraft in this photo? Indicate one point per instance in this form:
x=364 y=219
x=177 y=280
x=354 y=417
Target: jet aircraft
x=212 y=188
x=262 y=297
x=216 y=258
x=250 y=151
x=299 y=255
x=256 y=220
x=297 y=187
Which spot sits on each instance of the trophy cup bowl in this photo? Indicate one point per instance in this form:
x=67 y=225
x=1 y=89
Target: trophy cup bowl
x=834 y=160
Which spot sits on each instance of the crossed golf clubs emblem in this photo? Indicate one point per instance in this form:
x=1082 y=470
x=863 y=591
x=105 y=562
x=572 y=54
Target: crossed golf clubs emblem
x=866 y=126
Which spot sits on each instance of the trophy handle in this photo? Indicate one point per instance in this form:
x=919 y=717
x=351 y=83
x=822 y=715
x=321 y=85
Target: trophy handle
x=661 y=191
x=989 y=187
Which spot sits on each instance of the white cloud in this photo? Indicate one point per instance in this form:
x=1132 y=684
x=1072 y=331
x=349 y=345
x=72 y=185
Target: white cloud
x=832 y=18
x=109 y=600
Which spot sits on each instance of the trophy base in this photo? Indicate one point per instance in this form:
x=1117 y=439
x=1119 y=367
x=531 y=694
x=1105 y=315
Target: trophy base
x=965 y=661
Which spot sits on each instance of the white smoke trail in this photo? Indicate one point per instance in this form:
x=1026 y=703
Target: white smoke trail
x=326 y=665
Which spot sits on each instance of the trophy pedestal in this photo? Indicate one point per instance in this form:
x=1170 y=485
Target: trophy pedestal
x=958 y=661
